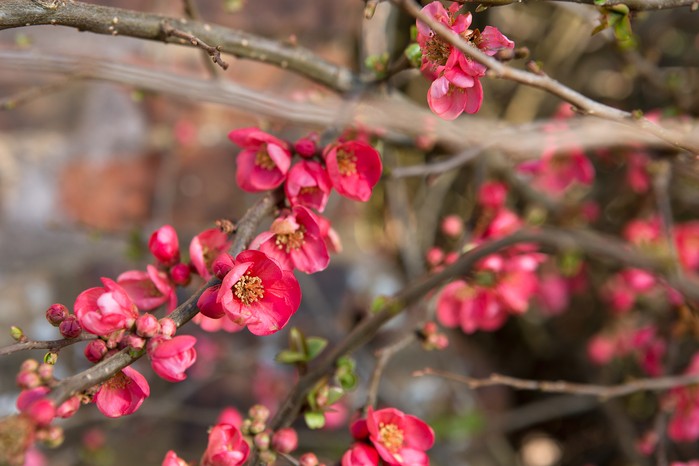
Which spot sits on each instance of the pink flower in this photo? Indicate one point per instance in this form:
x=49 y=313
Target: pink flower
x=164 y=245
x=102 y=311
x=687 y=241
x=231 y=416
x=360 y=454
x=557 y=170
x=448 y=101
x=205 y=247
x=34 y=404
x=150 y=289
x=308 y=184
x=258 y=293
x=400 y=439
x=295 y=242
x=492 y=195
x=226 y=447
x=637 y=175
x=452 y=226
x=123 y=394
x=601 y=349
x=553 y=294
x=354 y=168
x=170 y=358
x=471 y=308
x=264 y=161
x=171 y=459
x=285 y=440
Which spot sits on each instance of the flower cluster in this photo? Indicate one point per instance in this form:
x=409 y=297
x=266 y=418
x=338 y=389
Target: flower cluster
x=391 y=436
x=456 y=86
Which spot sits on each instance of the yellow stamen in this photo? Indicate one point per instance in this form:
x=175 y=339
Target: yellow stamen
x=346 y=163
x=263 y=160
x=291 y=241
x=249 y=289
x=391 y=437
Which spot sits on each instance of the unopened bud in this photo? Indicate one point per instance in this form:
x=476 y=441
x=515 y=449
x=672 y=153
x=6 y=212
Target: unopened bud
x=28 y=380
x=56 y=314
x=29 y=365
x=268 y=457
x=181 y=274
x=70 y=327
x=51 y=436
x=259 y=413
x=51 y=358
x=308 y=459
x=134 y=341
x=147 y=325
x=262 y=440
x=68 y=407
x=17 y=334
x=285 y=440
x=168 y=327
x=95 y=350
x=45 y=371
x=257 y=426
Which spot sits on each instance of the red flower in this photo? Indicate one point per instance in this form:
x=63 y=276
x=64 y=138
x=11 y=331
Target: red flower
x=256 y=292
x=164 y=245
x=354 y=168
x=34 y=404
x=308 y=184
x=226 y=447
x=123 y=394
x=170 y=358
x=294 y=241
x=399 y=438
x=360 y=454
x=150 y=289
x=102 y=311
x=205 y=248
x=263 y=162
x=171 y=459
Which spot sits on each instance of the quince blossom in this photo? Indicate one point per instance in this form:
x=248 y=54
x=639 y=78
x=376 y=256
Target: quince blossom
x=169 y=358
x=149 y=289
x=226 y=447
x=123 y=394
x=354 y=168
x=205 y=248
x=264 y=161
x=164 y=245
x=399 y=438
x=308 y=184
x=103 y=310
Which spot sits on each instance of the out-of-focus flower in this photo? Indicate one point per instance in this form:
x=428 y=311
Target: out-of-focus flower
x=354 y=168
x=123 y=394
x=150 y=289
x=164 y=245
x=226 y=447
x=205 y=248
x=264 y=161
x=103 y=310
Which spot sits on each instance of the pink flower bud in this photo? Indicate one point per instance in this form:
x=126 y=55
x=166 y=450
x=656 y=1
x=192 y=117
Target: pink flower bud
x=45 y=371
x=170 y=358
x=181 y=274
x=262 y=440
x=435 y=256
x=452 y=226
x=56 y=314
x=36 y=406
x=68 y=407
x=308 y=459
x=208 y=305
x=147 y=325
x=259 y=412
x=171 y=459
x=306 y=147
x=285 y=440
x=168 y=327
x=70 y=327
x=114 y=340
x=28 y=380
x=52 y=436
x=257 y=426
x=29 y=365
x=95 y=350
x=164 y=245
x=230 y=416
x=134 y=341
x=492 y=195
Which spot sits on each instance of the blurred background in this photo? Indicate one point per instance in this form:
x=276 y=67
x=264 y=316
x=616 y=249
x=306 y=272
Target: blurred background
x=89 y=169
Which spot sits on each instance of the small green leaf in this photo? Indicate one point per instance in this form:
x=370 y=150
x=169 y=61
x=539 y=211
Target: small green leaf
x=378 y=304
x=413 y=32
x=600 y=2
x=290 y=357
x=50 y=358
x=348 y=381
x=414 y=54
x=314 y=346
x=314 y=419
x=334 y=395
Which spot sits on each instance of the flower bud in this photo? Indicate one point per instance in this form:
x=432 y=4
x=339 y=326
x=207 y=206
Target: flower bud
x=29 y=365
x=452 y=226
x=257 y=426
x=51 y=358
x=268 y=457
x=308 y=459
x=115 y=338
x=70 y=327
x=51 y=436
x=95 y=350
x=259 y=413
x=27 y=379
x=306 y=147
x=285 y=440
x=134 y=341
x=168 y=327
x=147 y=325
x=45 y=371
x=164 y=245
x=17 y=334
x=56 y=314
x=181 y=274
x=68 y=407
x=262 y=440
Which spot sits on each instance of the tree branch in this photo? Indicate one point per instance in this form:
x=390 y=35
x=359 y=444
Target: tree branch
x=559 y=386
x=51 y=345
x=117 y=21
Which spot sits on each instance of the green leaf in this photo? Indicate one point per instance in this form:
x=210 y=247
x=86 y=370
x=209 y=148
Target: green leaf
x=314 y=419
x=414 y=54
x=348 y=381
x=290 y=357
x=334 y=395
x=314 y=347
x=413 y=32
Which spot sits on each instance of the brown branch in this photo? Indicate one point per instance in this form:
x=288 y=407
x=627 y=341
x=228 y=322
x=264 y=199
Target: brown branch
x=35 y=92
x=559 y=386
x=182 y=314
x=541 y=81
x=635 y=5
x=214 y=52
x=382 y=357
x=51 y=345
x=116 y=21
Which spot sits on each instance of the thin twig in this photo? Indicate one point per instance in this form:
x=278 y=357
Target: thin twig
x=559 y=386
x=51 y=345
x=213 y=52
x=382 y=357
x=191 y=11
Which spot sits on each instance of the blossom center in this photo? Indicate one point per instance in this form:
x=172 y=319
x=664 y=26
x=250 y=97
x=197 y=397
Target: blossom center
x=391 y=437
x=309 y=190
x=291 y=241
x=119 y=381
x=249 y=289
x=346 y=163
x=263 y=160
x=437 y=50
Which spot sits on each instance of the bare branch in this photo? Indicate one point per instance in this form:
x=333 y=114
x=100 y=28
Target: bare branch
x=214 y=52
x=657 y=384
x=51 y=345
x=116 y=21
